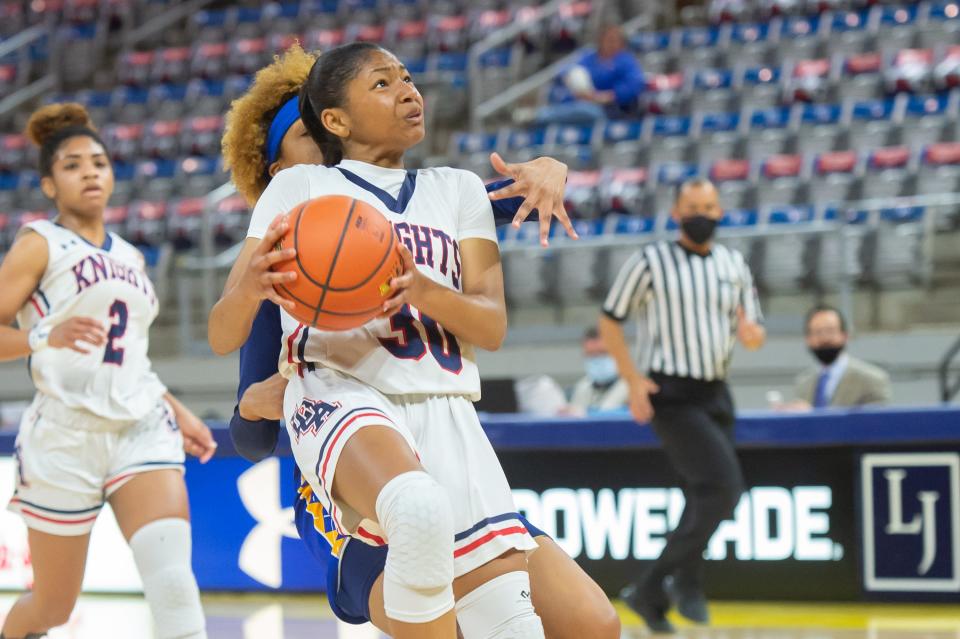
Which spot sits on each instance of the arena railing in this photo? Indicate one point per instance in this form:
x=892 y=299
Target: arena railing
x=481 y=110
x=48 y=82
x=198 y=277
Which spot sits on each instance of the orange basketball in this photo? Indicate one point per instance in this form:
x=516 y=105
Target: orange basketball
x=346 y=255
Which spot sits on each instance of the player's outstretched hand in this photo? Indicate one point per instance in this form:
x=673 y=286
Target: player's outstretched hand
x=541 y=182
x=264 y=400
x=406 y=287
x=77 y=333
x=197 y=438
x=258 y=280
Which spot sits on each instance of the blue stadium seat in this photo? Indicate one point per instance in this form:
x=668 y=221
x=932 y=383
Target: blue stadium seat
x=819 y=128
x=871 y=125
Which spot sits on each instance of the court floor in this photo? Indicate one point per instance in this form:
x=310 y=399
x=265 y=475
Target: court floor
x=308 y=617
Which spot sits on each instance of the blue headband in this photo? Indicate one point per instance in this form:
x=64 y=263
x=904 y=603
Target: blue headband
x=286 y=116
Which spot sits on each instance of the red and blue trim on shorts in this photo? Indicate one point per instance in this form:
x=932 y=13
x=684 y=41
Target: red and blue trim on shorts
x=351 y=576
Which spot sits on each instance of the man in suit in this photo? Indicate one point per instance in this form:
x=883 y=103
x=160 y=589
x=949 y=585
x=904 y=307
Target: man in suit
x=840 y=380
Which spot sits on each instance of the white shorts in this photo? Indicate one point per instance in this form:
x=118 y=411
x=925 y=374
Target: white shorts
x=324 y=409
x=69 y=462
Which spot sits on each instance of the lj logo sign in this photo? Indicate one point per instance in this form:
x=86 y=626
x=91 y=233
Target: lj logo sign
x=911 y=522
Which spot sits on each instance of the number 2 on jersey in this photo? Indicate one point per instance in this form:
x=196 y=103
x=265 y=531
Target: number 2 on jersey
x=113 y=353
x=443 y=346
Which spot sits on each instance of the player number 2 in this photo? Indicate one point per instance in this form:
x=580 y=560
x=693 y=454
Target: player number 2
x=113 y=353
x=442 y=345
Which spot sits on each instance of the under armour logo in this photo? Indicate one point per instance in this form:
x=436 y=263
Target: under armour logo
x=259 y=489
x=524 y=594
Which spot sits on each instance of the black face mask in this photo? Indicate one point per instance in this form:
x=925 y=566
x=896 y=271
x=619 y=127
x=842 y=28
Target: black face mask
x=699 y=228
x=827 y=354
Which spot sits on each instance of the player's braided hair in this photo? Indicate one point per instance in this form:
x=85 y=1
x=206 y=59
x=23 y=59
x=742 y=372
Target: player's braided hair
x=326 y=88
x=249 y=118
x=53 y=124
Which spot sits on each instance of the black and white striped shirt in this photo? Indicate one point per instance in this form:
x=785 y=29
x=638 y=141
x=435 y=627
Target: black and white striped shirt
x=691 y=302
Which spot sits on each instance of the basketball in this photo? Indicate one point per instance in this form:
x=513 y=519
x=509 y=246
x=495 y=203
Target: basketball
x=346 y=255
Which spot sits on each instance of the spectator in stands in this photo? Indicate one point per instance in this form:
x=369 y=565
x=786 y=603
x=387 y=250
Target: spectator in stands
x=605 y=83
x=840 y=379
x=601 y=389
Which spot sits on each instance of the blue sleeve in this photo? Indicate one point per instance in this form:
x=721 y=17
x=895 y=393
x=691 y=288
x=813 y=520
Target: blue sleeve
x=504 y=210
x=255 y=440
x=630 y=80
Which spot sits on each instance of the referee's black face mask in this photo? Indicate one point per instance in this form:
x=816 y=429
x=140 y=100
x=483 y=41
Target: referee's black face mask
x=698 y=227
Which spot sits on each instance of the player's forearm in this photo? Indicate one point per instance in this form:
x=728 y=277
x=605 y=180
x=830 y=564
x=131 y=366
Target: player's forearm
x=14 y=344
x=611 y=332
x=230 y=321
x=479 y=319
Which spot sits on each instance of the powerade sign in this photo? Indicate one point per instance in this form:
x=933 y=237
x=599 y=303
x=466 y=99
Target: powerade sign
x=770 y=523
x=792 y=536
x=911 y=522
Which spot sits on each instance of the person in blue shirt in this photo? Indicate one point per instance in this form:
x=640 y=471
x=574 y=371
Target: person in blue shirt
x=605 y=83
x=263 y=135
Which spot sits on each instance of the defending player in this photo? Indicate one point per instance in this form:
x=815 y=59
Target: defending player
x=394 y=395
x=102 y=427
x=570 y=604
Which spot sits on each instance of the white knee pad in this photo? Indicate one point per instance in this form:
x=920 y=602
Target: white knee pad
x=500 y=609
x=414 y=511
x=161 y=550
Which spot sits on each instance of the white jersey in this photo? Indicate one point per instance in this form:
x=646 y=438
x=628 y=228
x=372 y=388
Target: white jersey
x=109 y=284
x=432 y=211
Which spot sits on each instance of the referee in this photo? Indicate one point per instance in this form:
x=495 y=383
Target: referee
x=698 y=297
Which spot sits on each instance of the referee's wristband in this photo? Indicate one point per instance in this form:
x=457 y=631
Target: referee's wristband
x=38 y=338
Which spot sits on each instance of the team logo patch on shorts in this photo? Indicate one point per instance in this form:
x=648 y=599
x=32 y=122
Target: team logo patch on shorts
x=311 y=415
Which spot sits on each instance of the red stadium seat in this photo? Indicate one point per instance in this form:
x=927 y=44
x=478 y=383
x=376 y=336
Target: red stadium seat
x=448 y=33
x=946 y=75
x=115 y=218
x=230 y=225
x=893 y=157
x=247 y=55
x=836 y=162
x=625 y=192
x=582 y=194
x=863 y=63
x=911 y=70
x=730 y=170
x=171 y=65
x=365 y=33
x=134 y=67
x=124 y=140
x=323 y=39
x=13 y=151
x=942 y=153
x=809 y=81
x=782 y=165
x=163 y=139
x=210 y=59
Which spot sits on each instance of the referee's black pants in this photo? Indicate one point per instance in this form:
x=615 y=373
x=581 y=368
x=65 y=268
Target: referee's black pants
x=694 y=421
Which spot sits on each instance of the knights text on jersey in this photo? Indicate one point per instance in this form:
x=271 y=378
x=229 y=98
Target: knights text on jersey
x=433 y=211
x=109 y=284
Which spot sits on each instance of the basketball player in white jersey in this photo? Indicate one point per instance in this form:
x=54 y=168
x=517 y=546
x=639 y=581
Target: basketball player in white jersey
x=381 y=420
x=102 y=427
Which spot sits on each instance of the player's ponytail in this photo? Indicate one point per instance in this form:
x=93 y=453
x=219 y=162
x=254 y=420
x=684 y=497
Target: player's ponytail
x=326 y=88
x=51 y=125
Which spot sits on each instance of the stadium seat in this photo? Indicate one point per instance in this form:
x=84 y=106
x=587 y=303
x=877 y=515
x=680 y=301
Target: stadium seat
x=668 y=177
x=718 y=138
x=185 y=221
x=760 y=87
x=171 y=65
x=155 y=179
x=162 y=139
x=201 y=135
x=582 y=196
x=664 y=93
x=893 y=253
x=167 y=101
x=133 y=67
x=210 y=60
x=871 y=125
x=323 y=39
x=939 y=170
x=124 y=141
x=147 y=222
x=197 y=176
x=115 y=219
x=13 y=151
x=862 y=77
x=887 y=175
x=834 y=178
x=781 y=183
x=624 y=191
x=809 y=81
x=910 y=70
x=713 y=91
x=926 y=118
x=231 y=221
x=732 y=178
x=621 y=144
x=248 y=55
x=819 y=129
x=668 y=139
x=769 y=134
